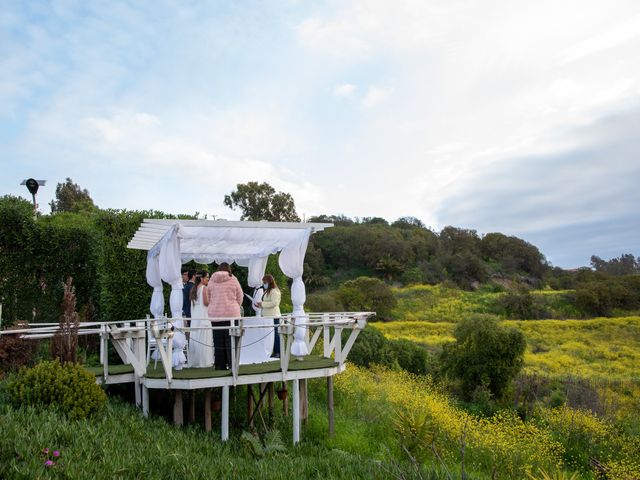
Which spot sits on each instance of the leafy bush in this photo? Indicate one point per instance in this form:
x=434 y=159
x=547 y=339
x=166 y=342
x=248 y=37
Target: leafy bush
x=523 y=306
x=484 y=353
x=371 y=347
x=367 y=294
x=323 y=302
x=68 y=387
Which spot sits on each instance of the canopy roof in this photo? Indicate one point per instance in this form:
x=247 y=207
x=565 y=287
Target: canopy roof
x=206 y=241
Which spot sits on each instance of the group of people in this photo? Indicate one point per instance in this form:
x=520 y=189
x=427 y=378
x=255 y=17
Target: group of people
x=217 y=297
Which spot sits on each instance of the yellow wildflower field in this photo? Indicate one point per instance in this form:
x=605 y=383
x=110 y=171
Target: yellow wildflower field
x=600 y=348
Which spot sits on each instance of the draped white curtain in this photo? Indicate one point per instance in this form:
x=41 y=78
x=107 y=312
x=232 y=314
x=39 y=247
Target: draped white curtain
x=291 y=262
x=155 y=281
x=169 y=266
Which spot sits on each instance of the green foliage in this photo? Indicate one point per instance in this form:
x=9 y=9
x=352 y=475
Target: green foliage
x=372 y=347
x=70 y=197
x=259 y=201
x=323 y=302
x=626 y=264
x=522 y=305
x=270 y=444
x=484 y=353
x=37 y=257
x=365 y=294
x=69 y=387
x=123 y=291
x=513 y=255
x=121 y=443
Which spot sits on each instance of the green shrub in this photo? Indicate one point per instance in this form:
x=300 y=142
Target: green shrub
x=484 y=353
x=372 y=347
x=366 y=294
x=68 y=387
x=323 y=302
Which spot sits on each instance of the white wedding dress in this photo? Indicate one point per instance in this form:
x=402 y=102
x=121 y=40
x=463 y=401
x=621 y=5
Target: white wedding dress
x=201 y=340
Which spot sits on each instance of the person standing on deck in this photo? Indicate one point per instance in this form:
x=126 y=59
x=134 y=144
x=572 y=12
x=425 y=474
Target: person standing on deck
x=270 y=306
x=223 y=297
x=186 y=291
x=201 y=340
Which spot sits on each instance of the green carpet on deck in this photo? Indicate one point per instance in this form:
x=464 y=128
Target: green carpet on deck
x=113 y=370
x=309 y=362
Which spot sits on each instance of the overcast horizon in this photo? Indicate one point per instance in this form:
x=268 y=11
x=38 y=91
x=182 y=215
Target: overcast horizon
x=516 y=117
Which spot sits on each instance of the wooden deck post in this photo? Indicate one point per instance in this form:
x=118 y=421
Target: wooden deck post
x=207 y=410
x=330 y=405
x=304 y=411
x=145 y=401
x=285 y=402
x=224 y=417
x=178 y=413
x=296 y=411
x=270 y=400
x=192 y=406
x=250 y=405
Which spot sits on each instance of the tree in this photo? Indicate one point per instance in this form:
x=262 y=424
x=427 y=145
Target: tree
x=70 y=197
x=259 y=201
x=368 y=295
x=626 y=264
x=484 y=355
x=408 y=222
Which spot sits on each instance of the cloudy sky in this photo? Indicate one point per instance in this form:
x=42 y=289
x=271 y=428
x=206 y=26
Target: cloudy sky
x=513 y=116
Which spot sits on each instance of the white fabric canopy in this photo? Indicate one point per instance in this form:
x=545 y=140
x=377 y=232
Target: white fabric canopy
x=248 y=244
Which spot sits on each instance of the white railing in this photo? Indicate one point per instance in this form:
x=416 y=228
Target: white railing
x=130 y=337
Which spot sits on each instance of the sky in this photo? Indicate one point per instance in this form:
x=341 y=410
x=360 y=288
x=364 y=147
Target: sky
x=512 y=116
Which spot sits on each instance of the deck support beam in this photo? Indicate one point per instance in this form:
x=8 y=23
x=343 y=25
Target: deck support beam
x=330 y=406
x=224 y=417
x=145 y=400
x=296 y=411
x=207 y=410
x=178 y=410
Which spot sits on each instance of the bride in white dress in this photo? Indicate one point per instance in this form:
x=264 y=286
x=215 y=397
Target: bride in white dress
x=201 y=340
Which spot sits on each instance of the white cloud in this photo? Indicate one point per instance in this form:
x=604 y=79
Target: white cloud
x=375 y=95
x=345 y=90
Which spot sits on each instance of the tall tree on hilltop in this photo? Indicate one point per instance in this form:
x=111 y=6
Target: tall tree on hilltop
x=259 y=201
x=70 y=197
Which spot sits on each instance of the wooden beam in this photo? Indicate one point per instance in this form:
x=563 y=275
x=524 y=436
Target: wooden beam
x=224 y=417
x=207 y=410
x=178 y=412
x=330 y=406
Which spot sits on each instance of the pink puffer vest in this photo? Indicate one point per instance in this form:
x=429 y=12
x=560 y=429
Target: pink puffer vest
x=225 y=295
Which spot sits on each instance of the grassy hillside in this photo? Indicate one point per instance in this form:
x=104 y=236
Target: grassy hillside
x=602 y=348
x=439 y=303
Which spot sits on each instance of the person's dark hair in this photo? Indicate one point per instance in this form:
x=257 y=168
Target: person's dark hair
x=193 y=293
x=225 y=267
x=191 y=274
x=268 y=278
x=184 y=270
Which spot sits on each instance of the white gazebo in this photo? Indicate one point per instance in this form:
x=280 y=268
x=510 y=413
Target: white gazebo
x=170 y=243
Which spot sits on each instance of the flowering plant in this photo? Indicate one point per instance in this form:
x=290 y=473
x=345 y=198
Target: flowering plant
x=51 y=457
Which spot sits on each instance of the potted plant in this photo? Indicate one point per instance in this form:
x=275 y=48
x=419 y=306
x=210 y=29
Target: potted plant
x=282 y=394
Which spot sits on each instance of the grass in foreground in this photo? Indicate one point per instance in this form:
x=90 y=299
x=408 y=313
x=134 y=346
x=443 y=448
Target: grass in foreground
x=120 y=443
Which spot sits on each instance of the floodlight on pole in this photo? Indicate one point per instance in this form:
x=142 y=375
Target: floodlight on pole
x=32 y=186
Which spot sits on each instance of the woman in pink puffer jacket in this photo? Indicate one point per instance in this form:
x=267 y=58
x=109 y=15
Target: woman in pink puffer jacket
x=223 y=297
